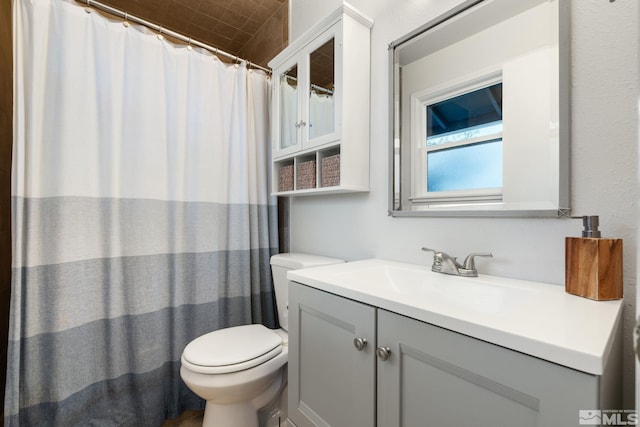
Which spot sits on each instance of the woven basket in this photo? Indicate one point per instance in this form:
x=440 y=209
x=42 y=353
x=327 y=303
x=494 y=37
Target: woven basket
x=306 y=175
x=331 y=171
x=286 y=178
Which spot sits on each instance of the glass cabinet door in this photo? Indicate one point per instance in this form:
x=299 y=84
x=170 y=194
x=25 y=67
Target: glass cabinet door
x=321 y=95
x=307 y=98
x=289 y=124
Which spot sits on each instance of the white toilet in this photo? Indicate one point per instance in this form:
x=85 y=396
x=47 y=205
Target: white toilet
x=242 y=369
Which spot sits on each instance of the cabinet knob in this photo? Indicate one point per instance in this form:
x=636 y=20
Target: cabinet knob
x=360 y=343
x=383 y=353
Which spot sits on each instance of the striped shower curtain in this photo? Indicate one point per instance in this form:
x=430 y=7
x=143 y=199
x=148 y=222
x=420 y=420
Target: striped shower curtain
x=141 y=216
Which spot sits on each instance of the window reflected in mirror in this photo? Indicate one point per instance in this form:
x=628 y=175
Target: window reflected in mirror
x=321 y=91
x=463 y=144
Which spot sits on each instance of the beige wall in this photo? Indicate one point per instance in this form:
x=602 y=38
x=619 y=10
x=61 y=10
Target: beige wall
x=270 y=39
x=6 y=114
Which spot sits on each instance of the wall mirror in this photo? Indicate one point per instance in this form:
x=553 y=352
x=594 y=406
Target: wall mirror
x=480 y=112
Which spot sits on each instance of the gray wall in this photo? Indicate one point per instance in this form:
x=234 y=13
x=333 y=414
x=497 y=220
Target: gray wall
x=604 y=161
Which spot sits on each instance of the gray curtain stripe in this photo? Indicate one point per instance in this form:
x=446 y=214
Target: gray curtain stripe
x=130 y=227
x=97 y=289
x=116 y=403
x=55 y=366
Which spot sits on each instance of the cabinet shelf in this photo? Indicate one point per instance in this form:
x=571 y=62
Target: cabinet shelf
x=328 y=146
x=339 y=189
x=291 y=174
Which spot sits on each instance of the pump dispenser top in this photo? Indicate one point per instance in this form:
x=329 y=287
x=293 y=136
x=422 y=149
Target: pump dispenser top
x=591 y=224
x=593 y=265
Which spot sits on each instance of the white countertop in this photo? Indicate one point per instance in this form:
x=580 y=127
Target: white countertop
x=538 y=319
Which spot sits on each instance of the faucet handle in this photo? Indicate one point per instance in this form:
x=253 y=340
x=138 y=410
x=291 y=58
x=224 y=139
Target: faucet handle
x=469 y=261
x=443 y=263
x=439 y=254
x=437 y=259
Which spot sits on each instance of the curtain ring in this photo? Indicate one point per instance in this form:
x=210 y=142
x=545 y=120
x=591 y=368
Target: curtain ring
x=189 y=45
x=126 y=17
x=88 y=7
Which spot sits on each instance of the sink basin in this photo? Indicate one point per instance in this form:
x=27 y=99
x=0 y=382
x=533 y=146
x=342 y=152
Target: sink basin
x=406 y=281
x=534 y=318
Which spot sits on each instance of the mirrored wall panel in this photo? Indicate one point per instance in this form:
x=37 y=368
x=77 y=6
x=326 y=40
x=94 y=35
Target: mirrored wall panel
x=480 y=112
x=321 y=91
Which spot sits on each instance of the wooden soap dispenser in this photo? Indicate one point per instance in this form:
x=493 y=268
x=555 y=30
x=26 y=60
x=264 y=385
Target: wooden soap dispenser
x=593 y=265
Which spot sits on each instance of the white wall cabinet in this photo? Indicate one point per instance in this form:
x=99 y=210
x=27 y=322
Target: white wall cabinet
x=432 y=377
x=320 y=114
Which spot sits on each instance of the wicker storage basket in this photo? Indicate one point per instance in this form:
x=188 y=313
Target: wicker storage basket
x=331 y=171
x=286 y=178
x=306 y=175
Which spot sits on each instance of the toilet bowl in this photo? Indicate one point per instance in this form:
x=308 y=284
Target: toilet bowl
x=242 y=369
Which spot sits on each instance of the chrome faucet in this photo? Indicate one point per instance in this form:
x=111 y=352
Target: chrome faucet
x=446 y=264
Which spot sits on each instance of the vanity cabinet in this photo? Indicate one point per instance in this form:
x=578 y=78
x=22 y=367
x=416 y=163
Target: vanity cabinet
x=432 y=376
x=320 y=108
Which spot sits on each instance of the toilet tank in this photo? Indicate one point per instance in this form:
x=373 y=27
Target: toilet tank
x=282 y=263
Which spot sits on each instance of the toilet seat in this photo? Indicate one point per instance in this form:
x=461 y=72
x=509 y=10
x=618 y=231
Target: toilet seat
x=232 y=349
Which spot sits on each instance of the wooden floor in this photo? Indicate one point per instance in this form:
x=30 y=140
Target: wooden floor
x=186 y=419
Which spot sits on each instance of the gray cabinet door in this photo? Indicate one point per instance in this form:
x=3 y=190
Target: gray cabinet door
x=331 y=383
x=435 y=377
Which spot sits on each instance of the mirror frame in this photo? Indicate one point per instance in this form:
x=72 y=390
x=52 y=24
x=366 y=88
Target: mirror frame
x=564 y=172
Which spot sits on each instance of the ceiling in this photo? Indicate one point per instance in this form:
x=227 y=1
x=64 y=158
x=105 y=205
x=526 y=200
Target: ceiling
x=228 y=25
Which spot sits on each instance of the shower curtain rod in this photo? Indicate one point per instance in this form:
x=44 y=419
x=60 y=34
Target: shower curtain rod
x=161 y=30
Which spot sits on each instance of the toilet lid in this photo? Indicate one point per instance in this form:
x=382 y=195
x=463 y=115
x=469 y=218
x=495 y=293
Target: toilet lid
x=233 y=349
